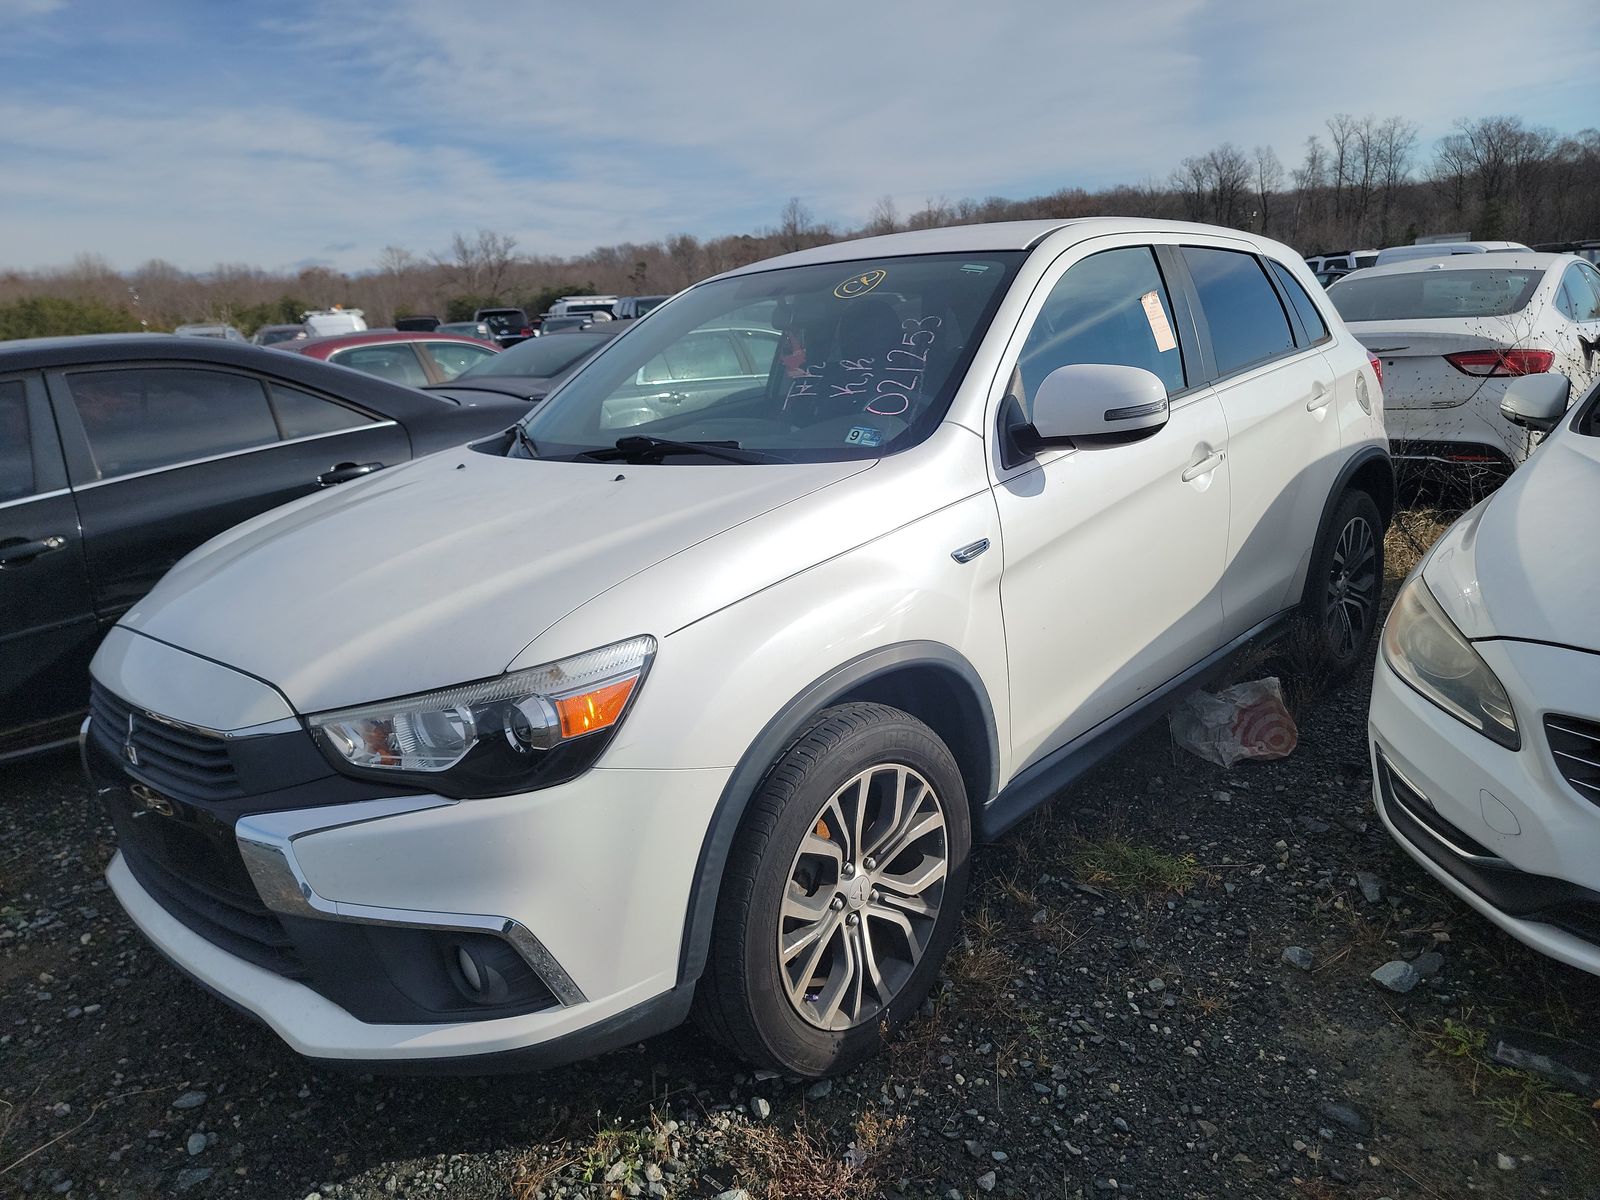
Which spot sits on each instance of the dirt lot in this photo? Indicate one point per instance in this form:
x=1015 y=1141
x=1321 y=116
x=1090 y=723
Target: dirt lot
x=1119 y=1019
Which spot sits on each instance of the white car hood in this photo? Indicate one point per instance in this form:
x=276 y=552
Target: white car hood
x=440 y=571
x=1525 y=564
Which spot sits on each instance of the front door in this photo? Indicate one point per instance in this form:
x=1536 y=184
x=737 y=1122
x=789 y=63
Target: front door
x=1113 y=553
x=47 y=620
x=171 y=455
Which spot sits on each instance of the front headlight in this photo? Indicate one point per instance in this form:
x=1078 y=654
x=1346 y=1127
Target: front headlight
x=1426 y=650
x=525 y=730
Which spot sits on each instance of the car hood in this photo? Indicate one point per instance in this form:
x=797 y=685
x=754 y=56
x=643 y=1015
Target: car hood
x=1522 y=564
x=440 y=571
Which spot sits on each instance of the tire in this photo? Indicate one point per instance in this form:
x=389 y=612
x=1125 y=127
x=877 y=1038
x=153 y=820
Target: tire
x=797 y=880
x=1344 y=586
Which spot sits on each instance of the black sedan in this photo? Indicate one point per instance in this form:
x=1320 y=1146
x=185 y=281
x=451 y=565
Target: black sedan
x=531 y=370
x=121 y=453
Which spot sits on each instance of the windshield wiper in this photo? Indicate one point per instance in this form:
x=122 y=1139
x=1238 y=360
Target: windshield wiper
x=520 y=433
x=641 y=448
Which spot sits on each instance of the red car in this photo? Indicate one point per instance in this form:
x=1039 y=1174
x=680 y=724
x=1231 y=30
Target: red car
x=400 y=356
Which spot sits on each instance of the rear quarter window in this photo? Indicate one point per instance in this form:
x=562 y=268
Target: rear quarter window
x=1310 y=315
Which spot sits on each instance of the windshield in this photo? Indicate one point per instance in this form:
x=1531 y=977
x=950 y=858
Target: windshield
x=1434 y=294
x=538 y=357
x=803 y=364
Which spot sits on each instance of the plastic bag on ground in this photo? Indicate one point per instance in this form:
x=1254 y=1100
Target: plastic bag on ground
x=1247 y=720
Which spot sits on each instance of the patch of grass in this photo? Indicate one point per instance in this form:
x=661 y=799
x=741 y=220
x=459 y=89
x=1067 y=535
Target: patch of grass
x=980 y=965
x=807 y=1163
x=1122 y=866
x=1519 y=1101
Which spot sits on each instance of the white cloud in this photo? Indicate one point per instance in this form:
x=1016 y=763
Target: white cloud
x=578 y=125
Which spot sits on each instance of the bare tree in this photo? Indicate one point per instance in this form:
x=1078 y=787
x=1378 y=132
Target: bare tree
x=1229 y=172
x=1192 y=182
x=1269 y=180
x=1397 y=142
x=481 y=265
x=884 y=218
x=794 y=226
x=683 y=249
x=1341 y=128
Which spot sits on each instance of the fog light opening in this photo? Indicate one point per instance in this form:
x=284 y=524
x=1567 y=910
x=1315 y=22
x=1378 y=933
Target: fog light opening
x=480 y=978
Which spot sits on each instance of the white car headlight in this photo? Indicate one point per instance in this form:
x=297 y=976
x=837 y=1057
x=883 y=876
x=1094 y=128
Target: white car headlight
x=531 y=728
x=1426 y=650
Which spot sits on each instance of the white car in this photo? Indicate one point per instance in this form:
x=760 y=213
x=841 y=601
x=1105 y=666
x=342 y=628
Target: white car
x=1452 y=332
x=1485 y=722
x=663 y=700
x=1397 y=254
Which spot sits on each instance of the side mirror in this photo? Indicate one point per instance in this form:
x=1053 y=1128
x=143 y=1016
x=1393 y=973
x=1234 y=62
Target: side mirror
x=1535 y=401
x=1086 y=400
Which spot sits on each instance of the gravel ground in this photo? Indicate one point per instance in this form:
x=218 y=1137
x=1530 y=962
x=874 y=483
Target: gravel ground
x=1163 y=990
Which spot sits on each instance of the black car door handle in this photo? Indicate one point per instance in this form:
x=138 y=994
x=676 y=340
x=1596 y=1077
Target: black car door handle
x=14 y=554
x=346 y=471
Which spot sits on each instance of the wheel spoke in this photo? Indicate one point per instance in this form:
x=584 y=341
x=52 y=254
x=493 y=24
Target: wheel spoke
x=801 y=907
x=913 y=830
x=915 y=905
x=913 y=883
x=869 y=960
x=897 y=814
x=816 y=936
x=839 y=982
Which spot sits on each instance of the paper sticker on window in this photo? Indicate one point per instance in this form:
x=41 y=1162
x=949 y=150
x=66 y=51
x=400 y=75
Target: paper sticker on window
x=1160 y=327
x=863 y=435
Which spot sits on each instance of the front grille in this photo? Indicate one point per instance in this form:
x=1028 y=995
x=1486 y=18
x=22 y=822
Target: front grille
x=232 y=919
x=1576 y=745
x=176 y=761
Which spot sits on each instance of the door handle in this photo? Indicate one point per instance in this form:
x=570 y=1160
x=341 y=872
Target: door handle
x=16 y=553
x=345 y=471
x=673 y=398
x=1321 y=397
x=1209 y=463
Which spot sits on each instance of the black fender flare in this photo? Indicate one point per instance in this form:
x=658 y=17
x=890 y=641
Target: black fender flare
x=782 y=731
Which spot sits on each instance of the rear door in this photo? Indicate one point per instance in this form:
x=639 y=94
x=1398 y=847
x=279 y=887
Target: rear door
x=1277 y=396
x=398 y=362
x=47 y=619
x=165 y=456
x=447 y=359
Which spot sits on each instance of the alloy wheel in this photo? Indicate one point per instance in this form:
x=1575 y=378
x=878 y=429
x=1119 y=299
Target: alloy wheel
x=863 y=897
x=1352 y=595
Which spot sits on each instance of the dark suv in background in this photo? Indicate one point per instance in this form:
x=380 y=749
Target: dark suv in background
x=508 y=325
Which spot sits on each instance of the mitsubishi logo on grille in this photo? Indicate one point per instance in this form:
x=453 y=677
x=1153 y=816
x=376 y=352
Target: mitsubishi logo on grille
x=129 y=750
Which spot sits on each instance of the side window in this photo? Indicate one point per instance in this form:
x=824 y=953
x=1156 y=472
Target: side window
x=16 y=448
x=300 y=414
x=143 y=417
x=1110 y=308
x=1248 y=324
x=1579 y=297
x=398 y=363
x=708 y=354
x=1310 y=316
x=452 y=358
x=760 y=347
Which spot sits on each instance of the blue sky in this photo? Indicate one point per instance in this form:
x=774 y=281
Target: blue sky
x=287 y=133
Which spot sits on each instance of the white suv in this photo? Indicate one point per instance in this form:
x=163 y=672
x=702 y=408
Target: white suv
x=696 y=693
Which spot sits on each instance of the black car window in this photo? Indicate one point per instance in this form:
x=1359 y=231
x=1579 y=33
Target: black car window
x=137 y=418
x=1310 y=316
x=300 y=414
x=16 y=453
x=396 y=363
x=1247 y=321
x=1110 y=308
x=760 y=347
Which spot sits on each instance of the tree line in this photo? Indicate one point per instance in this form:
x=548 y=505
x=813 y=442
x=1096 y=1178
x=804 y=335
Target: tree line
x=1358 y=182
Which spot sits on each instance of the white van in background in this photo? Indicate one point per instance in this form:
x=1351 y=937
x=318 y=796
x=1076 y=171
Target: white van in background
x=324 y=322
x=1394 y=254
x=577 y=306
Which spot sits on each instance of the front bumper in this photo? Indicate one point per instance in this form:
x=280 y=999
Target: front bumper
x=336 y=923
x=1499 y=828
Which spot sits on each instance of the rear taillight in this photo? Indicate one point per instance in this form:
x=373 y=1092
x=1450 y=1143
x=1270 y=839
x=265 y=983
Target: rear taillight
x=1377 y=366
x=1502 y=362
x=526 y=331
